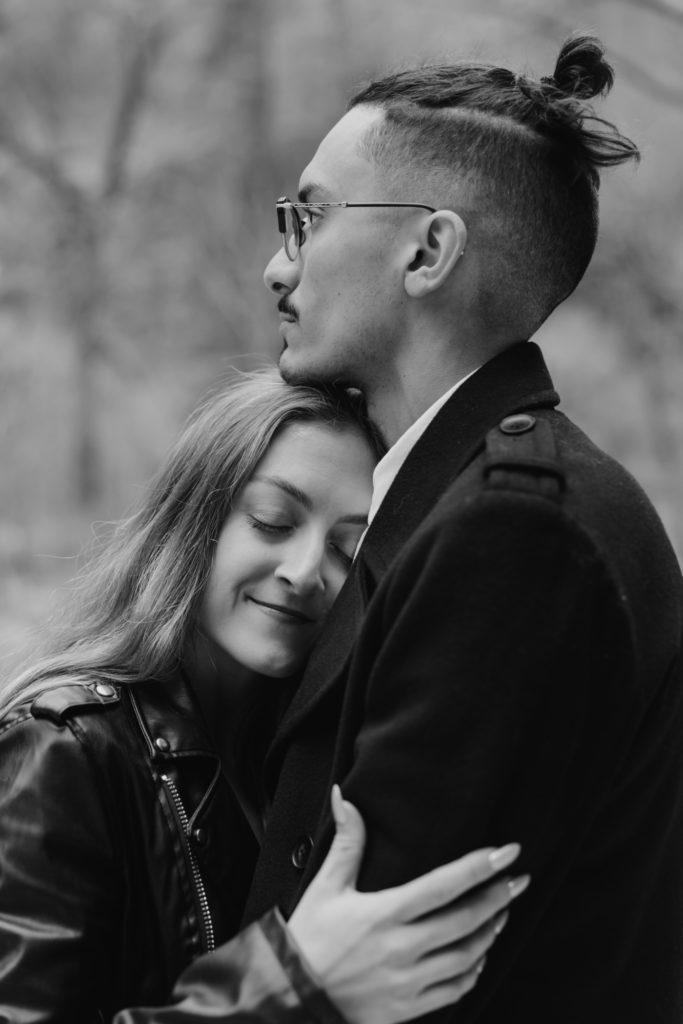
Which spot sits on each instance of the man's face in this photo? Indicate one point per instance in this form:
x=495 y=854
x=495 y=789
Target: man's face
x=341 y=300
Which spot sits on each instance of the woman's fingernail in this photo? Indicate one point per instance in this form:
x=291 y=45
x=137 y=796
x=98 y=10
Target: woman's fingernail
x=338 y=809
x=480 y=966
x=516 y=886
x=504 y=855
x=501 y=922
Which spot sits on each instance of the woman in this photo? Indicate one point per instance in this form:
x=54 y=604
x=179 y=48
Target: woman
x=130 y=797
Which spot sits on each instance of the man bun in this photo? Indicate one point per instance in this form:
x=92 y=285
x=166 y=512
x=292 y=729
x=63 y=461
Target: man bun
x=557 y=107
x=581 y=70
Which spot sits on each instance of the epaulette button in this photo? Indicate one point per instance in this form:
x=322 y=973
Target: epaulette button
x=105 y=690
x=520 y=423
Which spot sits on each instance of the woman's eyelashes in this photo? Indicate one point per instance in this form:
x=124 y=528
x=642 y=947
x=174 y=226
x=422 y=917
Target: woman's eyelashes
x=338 y=552
x=345 y=542
x=264 y=525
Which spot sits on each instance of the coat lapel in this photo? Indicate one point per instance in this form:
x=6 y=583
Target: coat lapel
x=515 y=380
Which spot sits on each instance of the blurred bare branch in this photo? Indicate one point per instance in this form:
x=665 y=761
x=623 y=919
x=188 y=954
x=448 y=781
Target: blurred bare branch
x=43 y=165
x=146 y=52
x=226 y=35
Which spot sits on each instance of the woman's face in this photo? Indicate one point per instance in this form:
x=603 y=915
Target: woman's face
x=286 y=547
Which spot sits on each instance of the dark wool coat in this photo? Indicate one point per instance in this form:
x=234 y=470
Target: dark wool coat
x=504 y=664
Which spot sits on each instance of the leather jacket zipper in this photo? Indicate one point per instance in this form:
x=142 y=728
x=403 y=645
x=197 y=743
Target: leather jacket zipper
x=200 y=891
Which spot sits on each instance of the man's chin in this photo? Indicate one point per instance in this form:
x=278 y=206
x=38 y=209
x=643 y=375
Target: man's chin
x=290 y=372
x=296 y=369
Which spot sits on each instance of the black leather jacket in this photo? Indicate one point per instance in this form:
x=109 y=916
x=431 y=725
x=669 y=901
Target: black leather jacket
x=124 y=862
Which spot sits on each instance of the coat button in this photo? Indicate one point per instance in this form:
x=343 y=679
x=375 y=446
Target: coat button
x=105 y=690
x=199 y=836
x=518 y=424
x=162 y=744
x=301 y=852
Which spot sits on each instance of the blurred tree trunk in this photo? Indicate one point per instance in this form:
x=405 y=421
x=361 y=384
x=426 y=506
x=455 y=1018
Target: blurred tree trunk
x=83 y=290
x=80 y=278
x=239 y=40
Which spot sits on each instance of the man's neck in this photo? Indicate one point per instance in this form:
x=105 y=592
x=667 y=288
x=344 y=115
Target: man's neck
x=394 y=409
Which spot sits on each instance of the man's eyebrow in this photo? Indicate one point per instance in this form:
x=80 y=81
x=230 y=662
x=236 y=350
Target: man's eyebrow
x=290 y=489
x=313 y=191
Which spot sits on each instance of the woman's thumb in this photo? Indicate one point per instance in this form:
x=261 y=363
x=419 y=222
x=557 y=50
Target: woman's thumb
x=342 y=863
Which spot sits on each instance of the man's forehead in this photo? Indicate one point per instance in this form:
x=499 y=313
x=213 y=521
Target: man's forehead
x=337 y=163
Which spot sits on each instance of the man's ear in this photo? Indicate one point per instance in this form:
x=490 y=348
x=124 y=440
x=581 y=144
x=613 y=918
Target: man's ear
x=442 y=243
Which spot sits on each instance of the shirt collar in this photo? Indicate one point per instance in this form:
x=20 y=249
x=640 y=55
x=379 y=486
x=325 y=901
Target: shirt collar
x=387 y=468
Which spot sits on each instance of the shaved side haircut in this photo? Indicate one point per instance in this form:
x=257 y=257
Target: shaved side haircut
x=518 y=158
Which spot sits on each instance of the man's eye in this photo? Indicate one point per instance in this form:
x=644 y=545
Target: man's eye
x=309 y=216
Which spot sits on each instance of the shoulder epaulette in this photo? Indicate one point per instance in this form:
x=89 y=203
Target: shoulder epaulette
x=68 y=698
x=521 y=455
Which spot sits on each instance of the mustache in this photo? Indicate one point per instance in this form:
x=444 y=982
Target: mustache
x=285 y=307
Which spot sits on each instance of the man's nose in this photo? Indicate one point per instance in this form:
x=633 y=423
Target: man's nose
x=281 y=275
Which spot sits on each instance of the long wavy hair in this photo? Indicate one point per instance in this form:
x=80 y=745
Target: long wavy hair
x=134 y=607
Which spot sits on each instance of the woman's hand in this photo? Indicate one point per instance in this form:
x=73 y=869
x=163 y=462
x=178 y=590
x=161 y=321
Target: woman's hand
x=388 y=956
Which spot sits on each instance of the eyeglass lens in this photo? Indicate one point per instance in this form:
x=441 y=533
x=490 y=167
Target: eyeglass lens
x=289 y=226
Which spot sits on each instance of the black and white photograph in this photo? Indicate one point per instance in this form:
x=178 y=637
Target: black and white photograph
x=341 y=512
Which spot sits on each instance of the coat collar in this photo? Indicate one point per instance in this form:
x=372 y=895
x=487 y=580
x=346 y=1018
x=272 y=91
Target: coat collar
x=515 y=380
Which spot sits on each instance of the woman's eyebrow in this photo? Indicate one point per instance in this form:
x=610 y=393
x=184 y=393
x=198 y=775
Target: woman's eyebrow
x=284 y=485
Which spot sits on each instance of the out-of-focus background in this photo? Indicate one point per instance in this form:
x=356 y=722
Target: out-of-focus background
x=142 y=145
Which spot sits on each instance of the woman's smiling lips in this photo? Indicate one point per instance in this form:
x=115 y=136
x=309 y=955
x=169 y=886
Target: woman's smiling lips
x=284 y=613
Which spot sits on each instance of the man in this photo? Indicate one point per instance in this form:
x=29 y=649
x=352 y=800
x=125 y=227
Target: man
x=505 y=659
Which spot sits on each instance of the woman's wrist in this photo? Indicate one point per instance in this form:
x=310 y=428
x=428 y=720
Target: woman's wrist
x=309 y=987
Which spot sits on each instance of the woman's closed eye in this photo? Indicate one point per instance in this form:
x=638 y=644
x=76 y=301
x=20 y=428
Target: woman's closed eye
x=270 y=525
x=342 y=556
x=345 y=550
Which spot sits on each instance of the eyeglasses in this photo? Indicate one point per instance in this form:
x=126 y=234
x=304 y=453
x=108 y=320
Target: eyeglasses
x=292 y=226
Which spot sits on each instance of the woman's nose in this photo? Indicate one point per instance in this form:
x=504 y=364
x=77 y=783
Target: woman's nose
x=282 y=274
x=302 y=567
